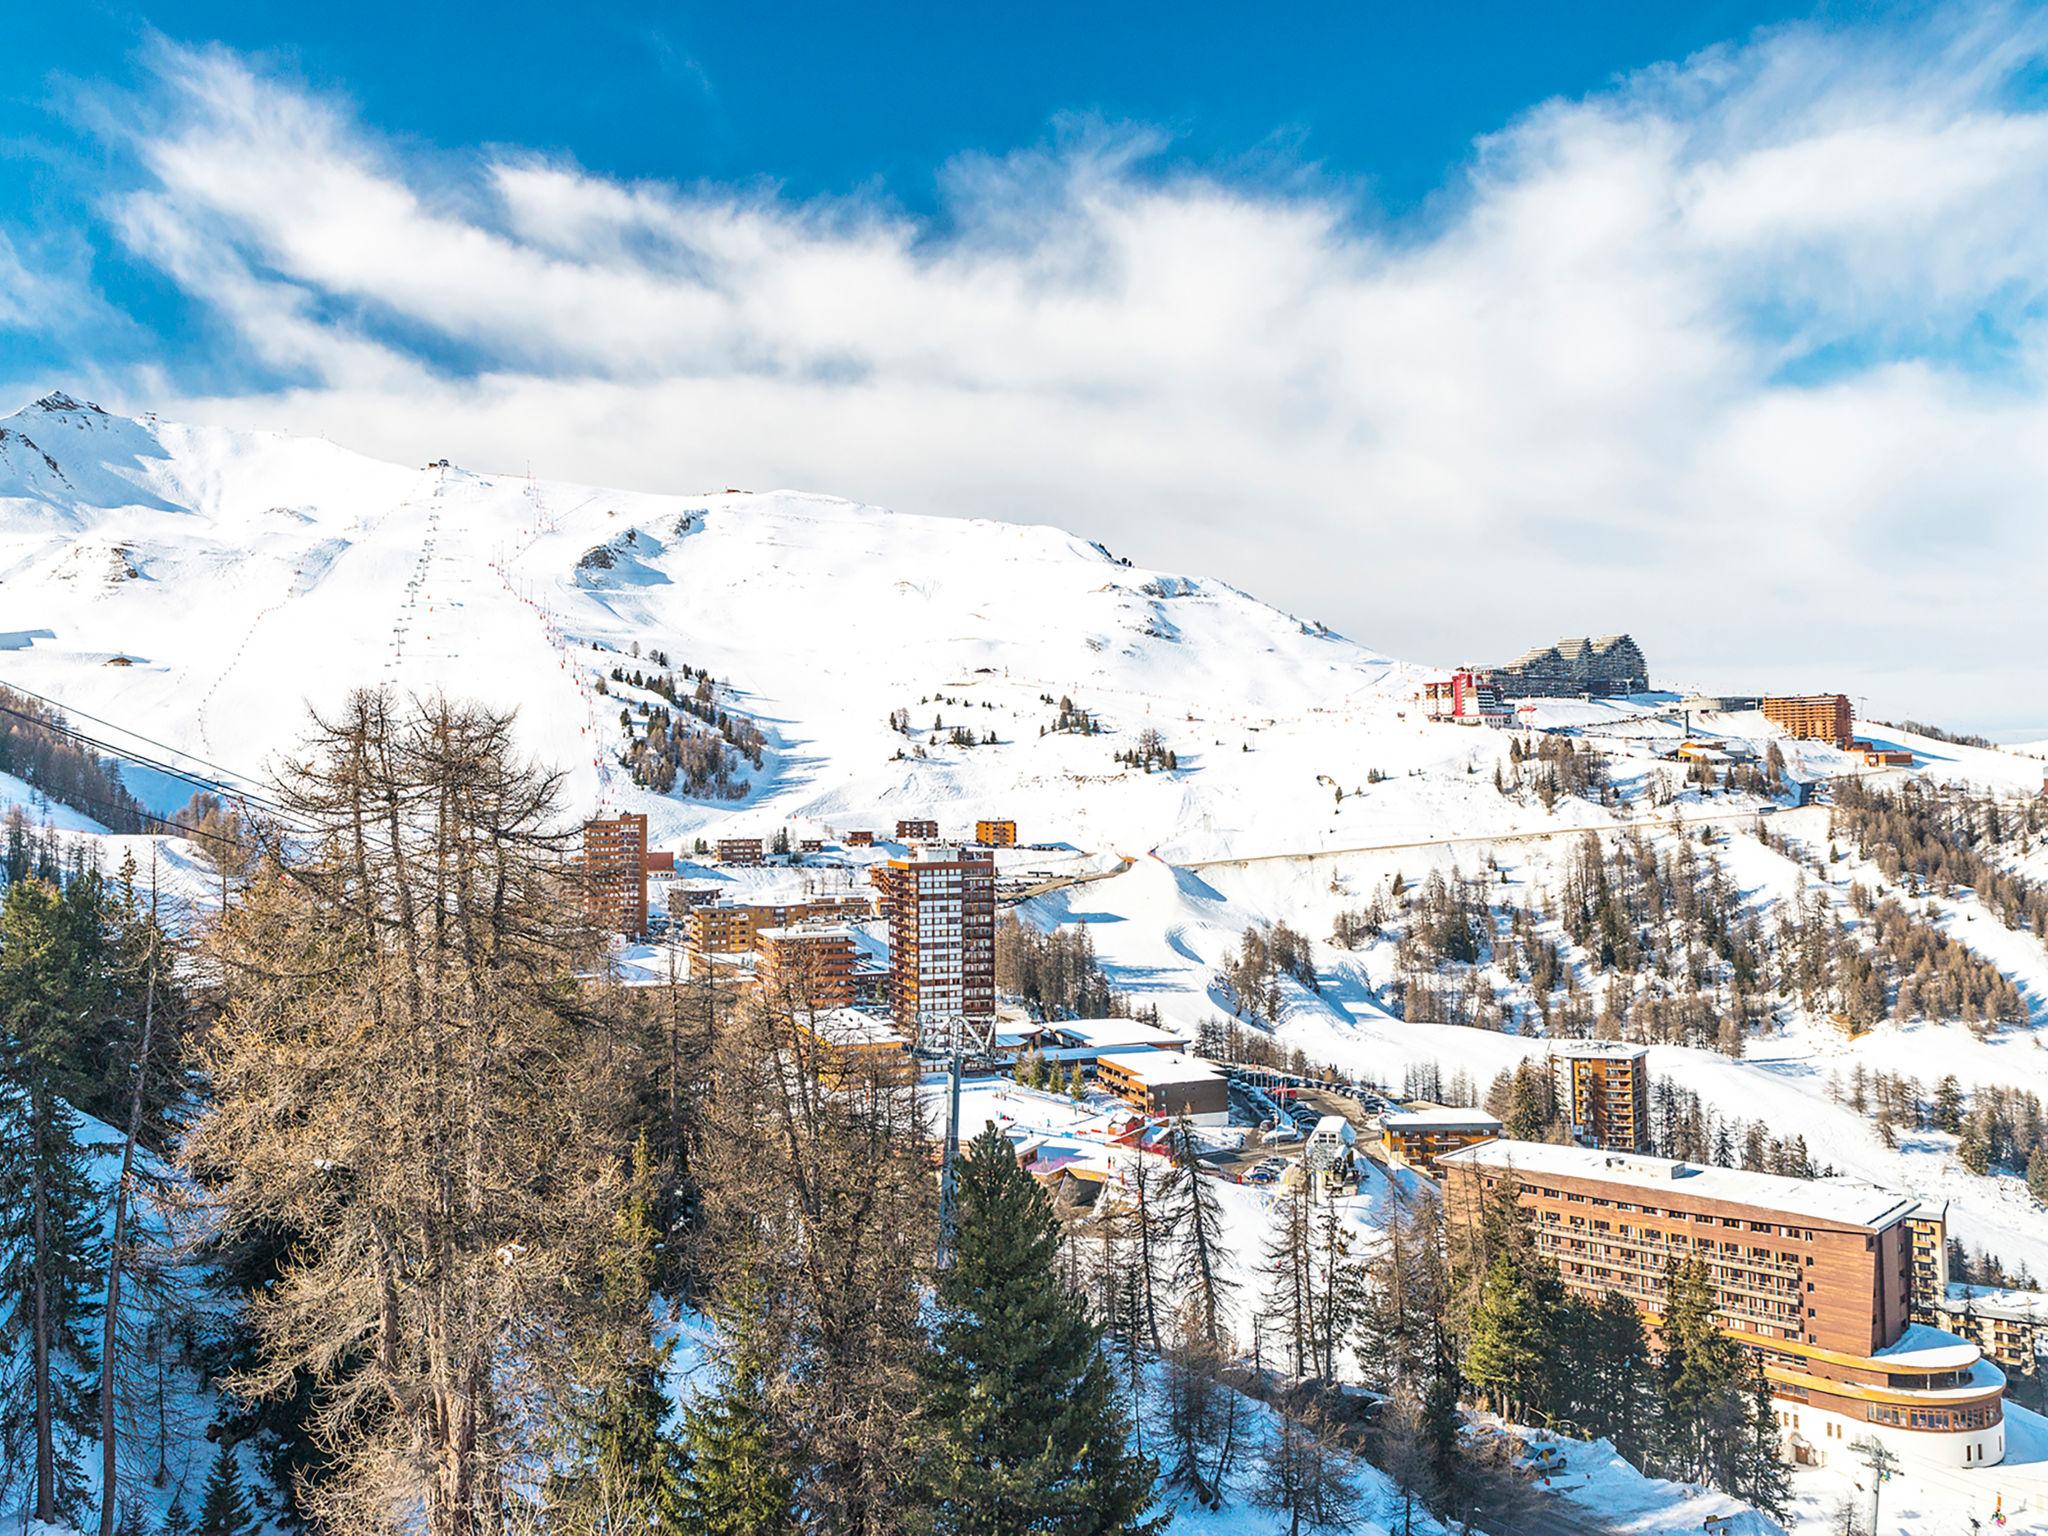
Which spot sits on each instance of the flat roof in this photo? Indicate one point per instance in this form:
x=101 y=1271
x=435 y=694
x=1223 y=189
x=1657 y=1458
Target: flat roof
x=1922 y=1348
x=1114 y=1032
x=1439 y=1119
x=807 y=931
x=1157 y=1069
x=1834 y=1202
x=850 y=1026
x=1604 y=1048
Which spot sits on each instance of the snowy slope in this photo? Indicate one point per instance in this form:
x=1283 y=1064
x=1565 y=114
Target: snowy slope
x=243 y=576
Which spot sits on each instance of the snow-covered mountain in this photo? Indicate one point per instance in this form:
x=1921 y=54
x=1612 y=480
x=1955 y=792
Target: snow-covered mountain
x=205 y=586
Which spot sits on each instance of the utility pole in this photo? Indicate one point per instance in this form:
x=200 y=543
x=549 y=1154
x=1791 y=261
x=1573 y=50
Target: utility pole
x=952 y=1152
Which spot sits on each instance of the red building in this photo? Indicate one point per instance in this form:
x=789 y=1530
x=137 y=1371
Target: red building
x=1465 y=697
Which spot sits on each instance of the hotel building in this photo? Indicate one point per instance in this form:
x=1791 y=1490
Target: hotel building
x=1814 y=1276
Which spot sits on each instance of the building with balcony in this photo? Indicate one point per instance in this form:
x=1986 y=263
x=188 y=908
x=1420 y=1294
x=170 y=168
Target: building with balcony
x=807 y=965
x=615 y=873
x=1416 y=1135
x=1811 y=717
x=917 y=829
x=941 y=904
x=1813 y=1275
x=1602 y=1091
x=1167 y=1083
x=996 y=834
x=739 y=850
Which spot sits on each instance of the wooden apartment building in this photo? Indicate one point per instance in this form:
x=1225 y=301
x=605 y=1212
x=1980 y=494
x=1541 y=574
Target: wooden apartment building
x=739 y=850
x=1814 y=1276
x=810 y=965
x=916 y=829
x=1602 y=1091
x=1418 y=1134
x=1167 y=1083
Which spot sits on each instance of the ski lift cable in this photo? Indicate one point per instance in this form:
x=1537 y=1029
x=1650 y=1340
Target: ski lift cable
x=71 y=712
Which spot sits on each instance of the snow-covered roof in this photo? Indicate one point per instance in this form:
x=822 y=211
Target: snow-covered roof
x=850 y=1026
x=1107 y=1032
x=1921 y=1348
x=1605 y=1049
x=1837 y=1202
x=1439 y=1118
x=1157 y=1069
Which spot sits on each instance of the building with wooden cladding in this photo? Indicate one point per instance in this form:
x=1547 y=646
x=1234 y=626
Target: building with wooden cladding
x=996 y=834
x=736 y=928
x=1602 y=1091
x=1811 y=717
x=852 y=1047
x=1814 y=1276
x=808 y=964
x=916 y=829
x=1418 y=1134
x=615 y=873
x=861 y=838
x=940 y=900
x=1167 y=1083
x=739 y=850
x=1601 y=668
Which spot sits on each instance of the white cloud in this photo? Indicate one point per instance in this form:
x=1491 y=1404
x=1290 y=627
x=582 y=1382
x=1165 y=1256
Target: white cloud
x=1555 y=401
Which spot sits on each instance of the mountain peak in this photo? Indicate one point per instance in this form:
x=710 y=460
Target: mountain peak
x=58 y=403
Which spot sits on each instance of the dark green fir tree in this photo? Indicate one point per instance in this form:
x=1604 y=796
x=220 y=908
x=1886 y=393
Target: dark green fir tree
x=1022 y=1425
x=224 y=1510
x=738 y=1477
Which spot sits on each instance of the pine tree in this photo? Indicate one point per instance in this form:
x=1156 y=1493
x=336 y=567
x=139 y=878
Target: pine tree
x=224 y=1509
x=176 y=1521
x=738 y=1478
x=2037 y=1173
x=1195 y=1214
x=1762 y=1477
x=627 y=1473
x=1702 y=1374
x=50 y=1253
x=1022 y=1426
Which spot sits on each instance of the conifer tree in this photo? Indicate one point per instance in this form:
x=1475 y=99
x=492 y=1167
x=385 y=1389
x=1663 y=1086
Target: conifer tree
x=1702 y=1375
x=176 y=1521
x=738 y=1477
x=49 y=1227
x=1761 y=1475
x=1195 y=1214
x=1022 y=1429
x=2037 y=1172
x=627 y=1475
x=224 y=1509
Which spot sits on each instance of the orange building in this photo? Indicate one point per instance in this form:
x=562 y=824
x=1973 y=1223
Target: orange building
x=996 y=834
x=1167 y=1083
x=941 y=905
x=809 y=963
x=615 y=873
x=1812 y=717
x=854 y=1047
x=1602 y=1089
x=1418 y=1134
x=1815 y=1276
x=733 y=928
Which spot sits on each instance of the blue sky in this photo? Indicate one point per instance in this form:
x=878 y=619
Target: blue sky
x=1636 y=311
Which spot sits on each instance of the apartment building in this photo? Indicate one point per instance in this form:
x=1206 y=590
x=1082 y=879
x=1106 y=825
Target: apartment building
x=916 y=829
x=1811 y=716
x=996 y=834
x=615 y=873
x=1602 y=1090
x=1167 y=1083
x=1814 y=1276
x=739 y=850
x=941 y=905
x=2009 y=1325
x=808 y=964
x=736 y=928
x=1418 y=1134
